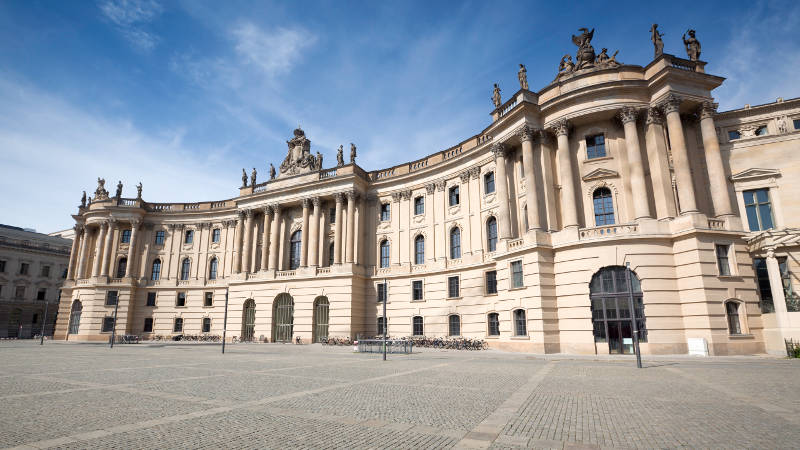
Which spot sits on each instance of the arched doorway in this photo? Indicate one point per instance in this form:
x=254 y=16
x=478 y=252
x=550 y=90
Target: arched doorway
x=611 y=311
x=75 y=317
x=14 y=324
x=321 y=318
x=282 y=318
x=249 y=320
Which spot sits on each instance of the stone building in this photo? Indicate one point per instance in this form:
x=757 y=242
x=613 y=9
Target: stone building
x=519 y=235
x=32 y=268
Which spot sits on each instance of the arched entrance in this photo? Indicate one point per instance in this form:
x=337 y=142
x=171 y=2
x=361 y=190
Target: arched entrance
x=282 y=318
x=321 y=318
x=249 y=320
x=75 y=317
x=611 y=311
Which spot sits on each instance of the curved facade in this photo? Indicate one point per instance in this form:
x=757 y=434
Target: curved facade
x=498 y=237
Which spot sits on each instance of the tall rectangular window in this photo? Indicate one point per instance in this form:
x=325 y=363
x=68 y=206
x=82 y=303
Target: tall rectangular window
x=452 y=287
x=177 y=326
x=108 y=324
x=125 y=238
x=208 y=300
x=41 y=294
x=148 y=325
x=758 y=208
x=45 y=272
x=488 y=183
x=516 y=274
x=381 y=326
x=23 y=268
x=454 y=196
x=520 y=324
x=381 y=292
x=595 y=146
x=416 y=290
x=796 y=123
x=385 y=212
x=494 y=324
x=792 y=300
x=160 y=237
x=206 y=325
x=111 y=298
x=19 y=292
x=764 y=287
x=151 y=299
x=418 y=326
x=454 y=322
x=332 y=215
x=188 y=237
x=419 y=205
x=2 y=266
x=491 y=282
x=723 y=262
x=181 y=300
x=215 y=234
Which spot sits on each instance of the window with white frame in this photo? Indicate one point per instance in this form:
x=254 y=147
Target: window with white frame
x=453 y=290
x=723 y=259
x=758 y=209
x=416 y=290
x=453 y=196
x=517 y=280
x=732 y=313
x=491 y=282
x=419 y=205
x=454 y=325
x=520 y=323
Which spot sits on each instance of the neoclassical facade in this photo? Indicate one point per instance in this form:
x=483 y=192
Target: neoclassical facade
x=519 y=235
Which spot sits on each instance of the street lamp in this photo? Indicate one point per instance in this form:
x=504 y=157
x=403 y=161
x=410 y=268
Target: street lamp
x=632 y=307
x=225 y=322
x=114 y=328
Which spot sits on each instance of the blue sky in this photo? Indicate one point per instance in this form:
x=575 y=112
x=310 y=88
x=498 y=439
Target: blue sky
x=182 y=95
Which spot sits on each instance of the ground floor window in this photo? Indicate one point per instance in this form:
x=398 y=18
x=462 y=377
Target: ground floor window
x=454 y=322
x=494 y=324
x=520 y=324
x=177 y=326
x=381 y=326
x=148 y=325
x=732 y=311
x=206 y=324
x=108 y=324
x=418 y=326
x=611 y=312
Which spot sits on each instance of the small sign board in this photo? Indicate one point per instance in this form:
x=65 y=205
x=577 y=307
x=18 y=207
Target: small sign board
x=698 y=346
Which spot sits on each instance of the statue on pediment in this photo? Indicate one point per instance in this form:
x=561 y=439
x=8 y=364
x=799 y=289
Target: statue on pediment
x=340 y=156
x=139 y=191
x=119 y=189
x=352 y=153
x=522 y=74
x=100 y=193
x=299 y=158
x=253 y=178
x=244 y=178
x=604 y=61
x=496 y=99
x=585 y=56
x=271 y=171
x=319 y=160
x=83 y=200
x=692 y=46
x=658 y=44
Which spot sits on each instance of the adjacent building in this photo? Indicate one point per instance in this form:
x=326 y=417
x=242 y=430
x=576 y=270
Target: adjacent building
x=616 y=189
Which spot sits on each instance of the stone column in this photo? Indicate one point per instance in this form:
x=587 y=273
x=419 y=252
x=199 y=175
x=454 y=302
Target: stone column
x=526 y=135
x=680 y=156
x=660 y=177
x=98 y=249
x=82 y=256
x=273 y=240
x=337 y=240
x=73 y=256
x=716 y=170
x=641 y=208
x=569 y=207
x=313 y=234
x=501 y=187
x=776 y=287
x=305 y=235
x=248 y=238
x=265 y=241
x=546 y=150
x=351 y=226
x=237 y=259
x=131 y=265
x=104 y=269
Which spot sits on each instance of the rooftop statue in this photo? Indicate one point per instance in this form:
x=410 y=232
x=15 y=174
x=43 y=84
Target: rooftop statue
x=352 y=153
x=319 y=161
x=299 y=158
x=139 y=191
x=603 y=61
x=100 y=193
x=566 y=65
x=253 y=178
x=83 y=200
x=692 y=46
x=523 y=77
x=585 y=56
x=271 y=171
x=244 y=178
x=119 y=189
x=340 y=156
x=658 y=44
x=496 y=96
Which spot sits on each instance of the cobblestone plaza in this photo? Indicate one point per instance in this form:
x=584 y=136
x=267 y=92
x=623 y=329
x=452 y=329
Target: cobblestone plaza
x=286 y=396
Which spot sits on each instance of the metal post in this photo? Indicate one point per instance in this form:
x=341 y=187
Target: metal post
x=114 y=328
x=44 y=322
x=385 y=322
x=225 y=322
x=633 y=315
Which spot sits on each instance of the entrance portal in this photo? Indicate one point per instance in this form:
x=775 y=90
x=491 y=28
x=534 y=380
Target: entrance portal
x=610 y=303
x=282 y=318
x=249 y=320
x=321 y=317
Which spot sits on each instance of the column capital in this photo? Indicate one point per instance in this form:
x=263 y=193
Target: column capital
x=135 y=223
x=671 y=104
x=351 y=195
x=708 y=109
x=78 y=228
x=396 y=196
x=475 y=172
x=527 y=133
x=560 y=127
x=306 y=202
x=654 y=116
x=249 y=213
x=627 y=114
x=770 y=252
x=464 y=176
x=148 y=225
x=499 y=149
x=339 y=196
x=406 y=194
x=240 y=214
x=276 y=208
x=317 y=202
x=430 y=188
x=440 y=184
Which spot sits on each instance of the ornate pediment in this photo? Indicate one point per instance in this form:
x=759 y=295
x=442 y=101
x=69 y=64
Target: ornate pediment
x=600 y=174
x=755 y=174
x=299 y=158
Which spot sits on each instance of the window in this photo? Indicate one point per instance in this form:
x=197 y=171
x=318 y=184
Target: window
x=603 y=207
x=148 y=325
x=455 y=243
x=331 y=252
x=177 y=326
x=491 y=234
x=188 y=238
x=208 y=299
x=23 y=268
x=734 y=135
x=491 y=282
x=125 y=238
x=610 y=303
x=494 y=324
x=758 y=209
x=488 y=183
x=108 y=324
x=417 y=326
x=385 y=253
x=215 y=235
x=381 y=326
x=732 y=312
x=181 y=299
x=520 y=324
x=2 y=266
x=454 y=323
x=206 y=324
x=111 y=298
x=160 y=237
x=45 y=272
x=452 y=287
x=35 y=318
x=595 y=146
x=381 y=287
x=723 y=263
x=121 y=267
x=419 y=249
x=516 y=274
x=454 y=196
x=796 y=123
x=332 y=215
x=295 y=244
x=385 y=212
x=764 y=288
x=419 y=205
x=762 y=131
x=151 y=299
x=19 y=292
x=41 y=294
x=186 y=265
x=155 y=274
x=416 y=290
x=212 y=269
x=64 y=273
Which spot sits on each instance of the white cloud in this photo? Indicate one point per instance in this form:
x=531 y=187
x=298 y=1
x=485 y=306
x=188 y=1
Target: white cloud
x=273 y=52
x=129 y=17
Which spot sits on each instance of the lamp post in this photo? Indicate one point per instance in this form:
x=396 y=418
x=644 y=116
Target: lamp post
x=114 y=328
x=632 y=307
x=385 y=322
x=225 y=322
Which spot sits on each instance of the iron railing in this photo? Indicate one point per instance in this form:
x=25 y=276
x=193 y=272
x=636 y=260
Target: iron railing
x=392 y=346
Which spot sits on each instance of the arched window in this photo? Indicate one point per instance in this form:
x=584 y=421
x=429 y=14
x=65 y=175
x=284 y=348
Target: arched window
x=121 y=266
x=455 y=325
x=75 y=317
x=610 y=291
x=385 y=253
x=330 y=254
x=212 y=269
x=294 y=249
x=185 y=266
x=417 y=326
x=603 y=207
x=455 y=243
x=491 y=234
x=155 y=274
x=494 y=324
x=419 y=249
x=520 y=324
x=732 y=312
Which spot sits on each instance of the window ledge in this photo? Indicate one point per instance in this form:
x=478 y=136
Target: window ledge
x=454 y=298
x=493 y=337
x=741 y=336
x=493 y=294
x=520 y=338
x=516 y=288
x=602 y=158
x=730 y=277
x=184 y=306
x=418 y=301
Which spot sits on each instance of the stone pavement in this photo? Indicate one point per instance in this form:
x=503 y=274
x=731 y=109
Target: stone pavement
x=285 y=396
